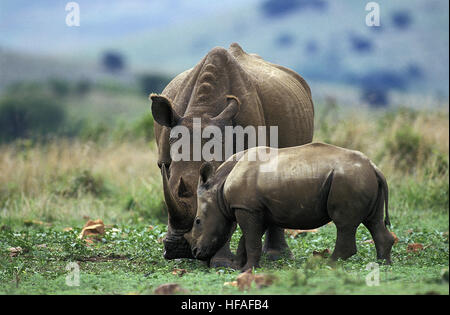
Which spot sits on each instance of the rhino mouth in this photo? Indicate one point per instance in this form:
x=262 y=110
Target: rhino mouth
x=176 y=246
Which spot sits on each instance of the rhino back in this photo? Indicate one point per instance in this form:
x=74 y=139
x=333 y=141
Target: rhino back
x=297 y=177
x=270 y=95
x=284 y=95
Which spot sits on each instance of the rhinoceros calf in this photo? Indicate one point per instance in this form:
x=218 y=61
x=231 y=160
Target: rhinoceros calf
x=309 y=186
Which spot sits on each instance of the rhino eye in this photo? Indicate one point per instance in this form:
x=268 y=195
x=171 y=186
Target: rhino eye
x=197 y=221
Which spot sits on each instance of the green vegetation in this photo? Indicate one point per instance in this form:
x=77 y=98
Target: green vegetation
x=41 y=111
x=101 y=164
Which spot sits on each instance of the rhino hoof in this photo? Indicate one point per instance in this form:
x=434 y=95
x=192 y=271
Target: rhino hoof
x=275 y=254
x=216 y=263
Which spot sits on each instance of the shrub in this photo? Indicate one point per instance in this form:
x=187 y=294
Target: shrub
x=59 y=87
x=144 y=127
x=408 y=148
x=84 y=183
x=29 y=116
x=91 y=132
x=147 y=207
x=147 y=203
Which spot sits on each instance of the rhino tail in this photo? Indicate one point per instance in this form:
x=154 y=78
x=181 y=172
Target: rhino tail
x=385 y=194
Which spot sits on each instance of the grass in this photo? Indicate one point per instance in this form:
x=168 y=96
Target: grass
x=128 y=260
x=48 y=187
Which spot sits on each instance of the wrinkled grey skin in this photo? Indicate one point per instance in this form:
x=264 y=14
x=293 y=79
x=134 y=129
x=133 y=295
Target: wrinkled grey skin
x=312 y=185
x=226 y=88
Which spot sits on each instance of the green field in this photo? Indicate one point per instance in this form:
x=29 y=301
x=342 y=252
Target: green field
x=104 y=167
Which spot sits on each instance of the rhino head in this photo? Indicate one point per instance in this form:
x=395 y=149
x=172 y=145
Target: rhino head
x=212 y=223
x=180 y=178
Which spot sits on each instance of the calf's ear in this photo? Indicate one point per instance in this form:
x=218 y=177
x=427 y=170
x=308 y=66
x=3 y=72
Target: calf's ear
x=163 y=112
x=206 y=172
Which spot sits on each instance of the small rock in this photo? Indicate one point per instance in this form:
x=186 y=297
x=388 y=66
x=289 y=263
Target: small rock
x=245 y=279
x=15 y=251
x=231 y=283
x=179 y=272
x=92 y=228
x=414 y=247
x=295 y=233
x=169 y=288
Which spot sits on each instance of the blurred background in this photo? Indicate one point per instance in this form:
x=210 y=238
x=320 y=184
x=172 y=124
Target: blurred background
x=77 y=142
x=148 y=42
x=75 y=116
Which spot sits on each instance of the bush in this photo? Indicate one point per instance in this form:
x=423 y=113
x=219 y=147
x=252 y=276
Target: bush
x=120 y=131
x=408 y=148
x=84 y=183
x=59 y=87
x=93 y=132
x=29 y=116
x=147 y=206
x=144 y=127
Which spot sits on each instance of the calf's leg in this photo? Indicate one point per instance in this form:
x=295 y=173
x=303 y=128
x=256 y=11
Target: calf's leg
x=345 y=242
x=224 y=257
x=252 y=227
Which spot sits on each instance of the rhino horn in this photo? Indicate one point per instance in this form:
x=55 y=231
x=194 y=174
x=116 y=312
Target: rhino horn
x=183 y=189
x=171 y=202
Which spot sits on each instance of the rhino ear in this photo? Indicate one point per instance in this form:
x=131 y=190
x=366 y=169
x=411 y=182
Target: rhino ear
x=162 y=111
x=231 y=110
x=206 y=171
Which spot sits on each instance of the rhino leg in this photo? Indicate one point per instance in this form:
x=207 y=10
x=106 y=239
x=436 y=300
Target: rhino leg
x=241 y=254
x=253 y=229
x=345 y=242
x=224 y=257
x=275 y=246
x=382 y=238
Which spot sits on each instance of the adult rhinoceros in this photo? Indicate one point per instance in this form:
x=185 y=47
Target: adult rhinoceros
x=226 y=88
